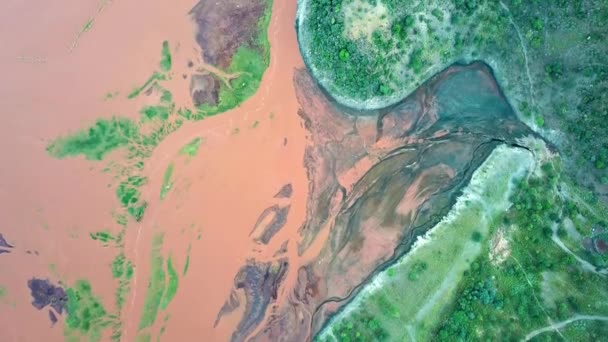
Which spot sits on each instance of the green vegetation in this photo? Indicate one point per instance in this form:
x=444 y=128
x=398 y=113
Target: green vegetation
x=162 y=328
x=137 y=212
x=476 y=236
x=249 y=62
x=143 y=337
x=105 y=237
x=156 y=76
x=417 y=268
x=121 y=292
x=582 y=330
x=156 y=112
x=122 y=267
x=136 y=141
x=373 y=50
x=128 y=194
x=167 y=182
x=550 y=57
x=191 y=148
x=156 y=284
x=507 y=273
x=539 y=283
x=96 y=142
x=165 y=61
x=87 y=26
x=171 y=284
x=86 y=316
x=110 y=95
x=187 y=263
x=162 y=284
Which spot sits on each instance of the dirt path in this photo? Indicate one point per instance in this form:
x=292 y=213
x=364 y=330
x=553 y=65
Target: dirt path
x=523 y=47
x=559 y=325
x=587 y=266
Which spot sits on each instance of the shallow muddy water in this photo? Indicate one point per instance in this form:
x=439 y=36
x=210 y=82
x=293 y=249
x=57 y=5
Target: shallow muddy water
x=59 y=72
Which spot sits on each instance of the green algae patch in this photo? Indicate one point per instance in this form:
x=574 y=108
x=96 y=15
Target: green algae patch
x=160 y=112
x=143 y=337
x=120 y=218
x=86 y=316
x=172 y=284
x=166 y=97
x=87 y=26
x=167 y=182
x=191 y=148
x=187 y=263
x=156 y=76
x=121 y=267
x=162 y=284
x=165 y=61
x=156 y=284
x=110 y=95
x=104 y=236
x=121 y=294
x=163 y=328
x=137 y=212
x=3 y=293
x=128 y=194
x=97 y=141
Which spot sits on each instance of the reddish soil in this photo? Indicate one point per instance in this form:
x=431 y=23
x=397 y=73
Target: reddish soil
x=378 y=180
x=224 y=26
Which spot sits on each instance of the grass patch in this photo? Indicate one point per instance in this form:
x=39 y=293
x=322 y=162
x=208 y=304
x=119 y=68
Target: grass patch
x=187 y=263
x=104 y=236
x=143 y=337
x=539 y=282
x=156 y=284
x=86 y=316
x=156 y=76
x=87 y=26
x=191 y=148
x=252 y=66
x=121 y=267
x=251 y=60
x=165 y=61
x=167 y=182
x=96 y=142
x=172 y=284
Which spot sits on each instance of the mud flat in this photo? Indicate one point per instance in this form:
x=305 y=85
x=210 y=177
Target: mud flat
x=413 y=292
x=378 y=181
x=235 y=52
